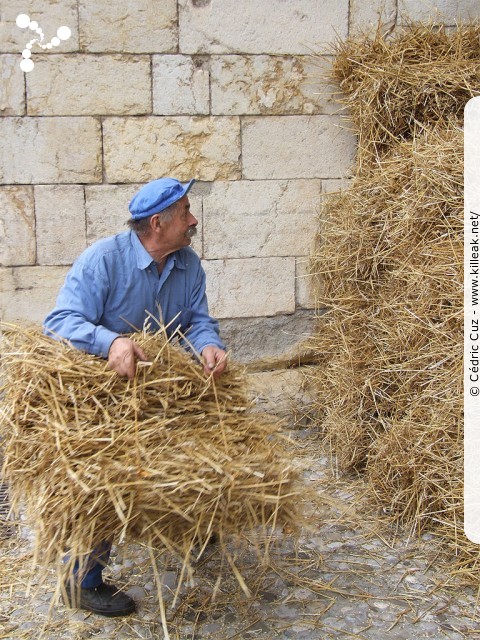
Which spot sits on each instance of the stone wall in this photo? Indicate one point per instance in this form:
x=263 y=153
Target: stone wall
x=224 y=91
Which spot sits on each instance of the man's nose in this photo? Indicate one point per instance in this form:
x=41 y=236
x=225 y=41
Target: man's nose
x=193 y=221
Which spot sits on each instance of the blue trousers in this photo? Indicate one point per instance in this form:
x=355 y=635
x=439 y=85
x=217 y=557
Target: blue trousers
x=96 y=562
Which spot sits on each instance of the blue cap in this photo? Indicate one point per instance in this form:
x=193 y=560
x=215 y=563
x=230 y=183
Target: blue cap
x=157 y=196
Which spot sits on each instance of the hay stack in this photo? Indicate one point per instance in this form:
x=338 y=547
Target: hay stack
x=390 y=262
x=166 y=459
x=394 y=86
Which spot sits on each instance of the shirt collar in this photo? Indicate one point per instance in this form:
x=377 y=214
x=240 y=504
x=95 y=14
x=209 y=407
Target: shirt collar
x=144 y=259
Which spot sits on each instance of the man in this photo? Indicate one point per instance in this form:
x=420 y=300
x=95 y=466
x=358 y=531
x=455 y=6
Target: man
x=115 y=287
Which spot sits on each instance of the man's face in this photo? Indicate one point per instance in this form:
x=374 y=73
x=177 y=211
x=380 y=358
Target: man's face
x=177 y=232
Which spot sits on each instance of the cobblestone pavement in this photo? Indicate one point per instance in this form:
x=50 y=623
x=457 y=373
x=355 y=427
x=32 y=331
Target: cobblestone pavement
x=343 y=579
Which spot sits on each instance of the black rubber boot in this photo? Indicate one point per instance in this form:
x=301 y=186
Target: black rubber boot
x=105 y=600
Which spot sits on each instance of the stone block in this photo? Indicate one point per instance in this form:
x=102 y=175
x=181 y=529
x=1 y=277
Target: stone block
x=29 y=293
x=296 y=147
x=181 y=86
x=260 y=218
x=252 y=287
x=366 y=16
x=142 y=149
x=283 y=393
x=12 y=89
x=449 y=12
x=122 y=26
x=107 y=211
x=49 y=14
x=282 y=85
x=50 y=150
x=89 y=85
x=17 y=226
x=251 y=340
x=60 y=216
x=229 y=26
x=306 y=287
x=334 y=186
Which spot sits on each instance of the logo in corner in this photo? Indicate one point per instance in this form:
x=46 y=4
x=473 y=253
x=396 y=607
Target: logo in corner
x=23 y=22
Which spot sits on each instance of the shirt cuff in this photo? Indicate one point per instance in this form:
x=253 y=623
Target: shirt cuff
x=212 y=343
x=103 y=340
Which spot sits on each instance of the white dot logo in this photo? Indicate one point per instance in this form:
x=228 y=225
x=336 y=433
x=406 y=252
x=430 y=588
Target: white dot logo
x=64 y=33
x=23 y=22
x=26 y=65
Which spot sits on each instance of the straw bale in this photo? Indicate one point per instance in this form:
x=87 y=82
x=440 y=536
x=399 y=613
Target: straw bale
x=393 y=85
x=166 y=459
x=389 y=379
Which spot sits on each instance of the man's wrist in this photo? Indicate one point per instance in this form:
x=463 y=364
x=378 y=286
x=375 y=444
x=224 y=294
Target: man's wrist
x=105 y=338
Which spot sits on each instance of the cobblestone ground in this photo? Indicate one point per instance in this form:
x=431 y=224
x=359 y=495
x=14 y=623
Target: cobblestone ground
x=342 y=579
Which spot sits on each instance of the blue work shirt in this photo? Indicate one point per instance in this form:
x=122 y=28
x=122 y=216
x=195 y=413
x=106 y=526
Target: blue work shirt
x=114 y=288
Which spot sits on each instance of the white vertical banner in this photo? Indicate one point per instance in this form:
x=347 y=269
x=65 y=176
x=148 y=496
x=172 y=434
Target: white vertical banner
x=471 y=320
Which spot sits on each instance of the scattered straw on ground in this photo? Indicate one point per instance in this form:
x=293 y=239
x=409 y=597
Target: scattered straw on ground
x=337 y=580
x=166 y=459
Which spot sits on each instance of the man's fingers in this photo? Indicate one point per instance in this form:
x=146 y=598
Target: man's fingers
x=221 y=366
x=215 y=361
x=123 y=356
x=139 y=352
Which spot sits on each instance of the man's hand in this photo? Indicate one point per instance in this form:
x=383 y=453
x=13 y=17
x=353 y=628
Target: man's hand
x=123 y=356
x=215 y=361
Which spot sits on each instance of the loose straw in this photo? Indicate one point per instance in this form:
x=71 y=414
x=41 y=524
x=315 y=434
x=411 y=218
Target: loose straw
x=166 y=459
x=389 y=268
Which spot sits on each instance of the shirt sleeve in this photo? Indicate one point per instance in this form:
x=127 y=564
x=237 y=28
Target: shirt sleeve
x=79 y=309
x=203 y=329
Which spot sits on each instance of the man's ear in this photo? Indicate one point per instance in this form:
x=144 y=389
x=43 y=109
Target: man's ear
x=156 y=222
